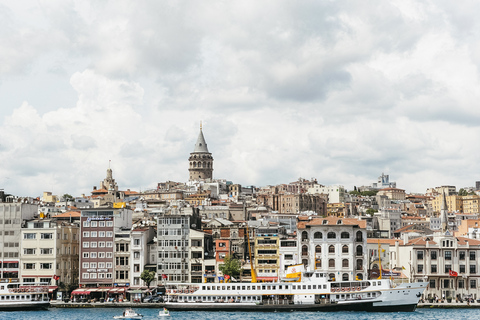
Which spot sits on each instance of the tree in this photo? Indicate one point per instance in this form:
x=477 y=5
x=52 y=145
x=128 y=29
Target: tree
x=148 y=277
x=67 y=197
x=370 y=211
x=231 y=266
x=462 y=192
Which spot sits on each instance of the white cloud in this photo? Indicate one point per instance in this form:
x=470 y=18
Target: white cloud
x=337 y=91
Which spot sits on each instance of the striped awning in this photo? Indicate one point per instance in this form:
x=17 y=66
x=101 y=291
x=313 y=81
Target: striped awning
x=80 y=292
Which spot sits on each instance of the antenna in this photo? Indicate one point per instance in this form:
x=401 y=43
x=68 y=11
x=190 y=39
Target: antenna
x=200 y=125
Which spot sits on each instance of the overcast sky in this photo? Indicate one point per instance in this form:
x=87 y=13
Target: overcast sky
x=337 y=90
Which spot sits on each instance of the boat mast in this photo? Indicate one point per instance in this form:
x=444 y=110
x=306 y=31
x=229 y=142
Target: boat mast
x=379 y=260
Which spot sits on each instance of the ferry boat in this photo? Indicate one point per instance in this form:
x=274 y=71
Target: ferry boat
x=313 y=292
x=27 y=296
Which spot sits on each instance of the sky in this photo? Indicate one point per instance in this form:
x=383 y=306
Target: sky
x=340 y=91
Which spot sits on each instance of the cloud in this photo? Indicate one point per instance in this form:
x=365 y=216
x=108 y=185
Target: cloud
x=340 y=91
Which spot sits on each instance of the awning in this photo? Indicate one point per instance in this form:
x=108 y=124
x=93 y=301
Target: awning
x=135 y=291
x=267 y=278
x=52 y=288
x=80 y=292
x=116 y=290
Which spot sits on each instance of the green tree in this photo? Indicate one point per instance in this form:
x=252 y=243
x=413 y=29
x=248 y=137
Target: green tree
x=148 y=277
x=370 y=211
x=67 y=197
x=462 y=192
x=231 y=266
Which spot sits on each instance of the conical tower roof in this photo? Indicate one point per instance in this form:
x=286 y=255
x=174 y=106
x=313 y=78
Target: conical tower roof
x=201 y=145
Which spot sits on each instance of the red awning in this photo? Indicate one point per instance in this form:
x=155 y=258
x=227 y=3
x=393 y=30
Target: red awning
x=268 y=278
x=52 y=288
x=9 y=261
x=80 y=292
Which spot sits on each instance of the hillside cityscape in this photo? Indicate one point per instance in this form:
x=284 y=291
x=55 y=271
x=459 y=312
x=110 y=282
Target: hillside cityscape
x=125 y=244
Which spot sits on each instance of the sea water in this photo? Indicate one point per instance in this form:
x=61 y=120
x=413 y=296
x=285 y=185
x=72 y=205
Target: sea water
x=109 y=313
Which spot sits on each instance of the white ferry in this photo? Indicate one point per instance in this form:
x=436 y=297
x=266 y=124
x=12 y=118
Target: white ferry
x=313 y=292
x=16 y=296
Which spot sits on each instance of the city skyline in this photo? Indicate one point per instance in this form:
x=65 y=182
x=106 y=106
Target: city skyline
x=339 y=92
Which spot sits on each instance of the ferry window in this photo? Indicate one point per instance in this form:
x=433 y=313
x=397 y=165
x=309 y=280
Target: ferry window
x=263 y=287
x=304 y=286
x=368 y=294
x=248 y=287
x=324 y=286
x=309 y=287
x=294 y=287
x=228 y=287
x=208 y=287
x=243 y=287
x=374 y=283
x=379 y=282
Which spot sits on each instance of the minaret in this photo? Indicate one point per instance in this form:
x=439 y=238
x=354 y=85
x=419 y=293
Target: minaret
x=444 y=213
x=201 y=161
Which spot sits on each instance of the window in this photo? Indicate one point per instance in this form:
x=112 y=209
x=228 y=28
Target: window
x=345 y=249
x=101 y=265
x=136 y=242
x=93 y=244
x=47 y=236
x=29 y=266
x=136 y=255
x=331 y=263
x=473 y=284
x=448 y=255
x=331 y=249
x=93 y=265
x=433 y=268
x=109 y=265
x=446 y=283
x=86 y=244
x=109 y=224
x=318 y=235
x=462 y=268
x=101 y=234
x=447 y=268
x=472 y=255
x=29 y=236
x=109 y=254
x=461 y=284
x=45 y=266
x=101 y=244
x=473 y=268
x=28 y=251
x=85 y=275
x=331 y=235
x=432 y=283
x=86 y=234
x=359 y=250
x=109 y=234
x=345 y=263
x=433 y=255
x=86 y=224
x=461 y=255
x=419 y=255
x=93 y=276
x=86 y=255
x=101 y=254
x=46 y=251
x=93 y=255
x=109 y=244
x=345 y=235
x=85 y=265
x=93 y=234
x=93 y=224
x=101 y=224
x=420 y=268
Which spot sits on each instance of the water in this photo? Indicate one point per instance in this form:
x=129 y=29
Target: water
x=108 y=313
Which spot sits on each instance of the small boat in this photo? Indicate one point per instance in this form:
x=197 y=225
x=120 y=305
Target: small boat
x=164 y=313
x=129 y=314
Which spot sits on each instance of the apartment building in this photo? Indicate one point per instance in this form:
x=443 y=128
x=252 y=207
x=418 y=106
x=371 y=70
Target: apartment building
x=12 y=215
x=334 y=246
x=267 y=253
x=97 y=237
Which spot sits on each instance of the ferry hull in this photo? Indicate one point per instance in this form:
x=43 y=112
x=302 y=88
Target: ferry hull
x=359 y=306
x=24 y=306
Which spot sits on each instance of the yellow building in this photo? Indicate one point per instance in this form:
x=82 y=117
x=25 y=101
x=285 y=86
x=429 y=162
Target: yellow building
x=454 y=203
x=267 y=256
x=471 y=204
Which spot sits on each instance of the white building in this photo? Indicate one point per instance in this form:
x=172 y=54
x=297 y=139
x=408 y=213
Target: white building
x=335 y=246
x=336 y=193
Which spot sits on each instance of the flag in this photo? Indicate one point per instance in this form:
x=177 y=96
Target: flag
x=452 y=273
x=55 y=277
x=164 y=276
x=227 y=277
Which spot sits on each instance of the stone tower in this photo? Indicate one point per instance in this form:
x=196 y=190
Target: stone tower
x=201 y=161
